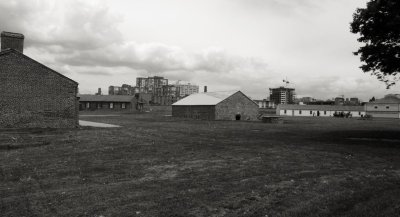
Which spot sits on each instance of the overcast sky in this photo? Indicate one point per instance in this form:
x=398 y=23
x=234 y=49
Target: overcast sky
x=251 y=45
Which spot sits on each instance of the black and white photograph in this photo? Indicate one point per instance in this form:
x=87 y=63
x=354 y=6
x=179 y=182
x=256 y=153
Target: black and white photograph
x=200 y=108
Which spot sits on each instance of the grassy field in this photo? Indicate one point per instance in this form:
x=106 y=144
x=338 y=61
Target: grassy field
x=160 y=166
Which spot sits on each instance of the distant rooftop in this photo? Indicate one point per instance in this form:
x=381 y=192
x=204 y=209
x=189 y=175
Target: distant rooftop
x=387 y=100
x=12 y=34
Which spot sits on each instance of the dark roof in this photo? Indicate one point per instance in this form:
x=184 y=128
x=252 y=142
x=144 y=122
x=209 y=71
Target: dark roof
x=9 y=50
x=12 y=34
x=386 y=100
x=320 y=107
x=105 y=98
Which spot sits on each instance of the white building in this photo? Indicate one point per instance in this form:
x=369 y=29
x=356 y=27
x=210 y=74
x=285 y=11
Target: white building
x=319 y=110
x=264 y=103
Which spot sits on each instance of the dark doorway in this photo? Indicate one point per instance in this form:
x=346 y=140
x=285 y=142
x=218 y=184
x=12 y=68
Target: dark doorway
x=238 y=116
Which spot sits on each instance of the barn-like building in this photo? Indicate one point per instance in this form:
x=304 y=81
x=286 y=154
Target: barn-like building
x=223 y=105
x=31 y=94
x=387 y=107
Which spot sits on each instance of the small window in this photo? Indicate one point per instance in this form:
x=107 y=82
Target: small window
x=285 y=111
x=111 y=105
x=375 y=107
x=387 y=107
x=300 y=112
x=123 y=105
x=324 y=112
x=87 y=105
x=310 y=112
x=359 y=113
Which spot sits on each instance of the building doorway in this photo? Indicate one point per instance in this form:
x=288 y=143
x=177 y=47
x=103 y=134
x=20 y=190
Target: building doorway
x=238 y=116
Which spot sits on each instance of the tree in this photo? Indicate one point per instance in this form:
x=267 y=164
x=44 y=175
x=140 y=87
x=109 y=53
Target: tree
x=379 y=27
x=372 y=99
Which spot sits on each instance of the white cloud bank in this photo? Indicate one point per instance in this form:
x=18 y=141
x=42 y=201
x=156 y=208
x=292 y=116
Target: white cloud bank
x=83 y=39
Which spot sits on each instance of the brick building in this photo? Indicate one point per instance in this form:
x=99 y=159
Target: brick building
x=225 y=105
x=31 y=94
x=106 y=102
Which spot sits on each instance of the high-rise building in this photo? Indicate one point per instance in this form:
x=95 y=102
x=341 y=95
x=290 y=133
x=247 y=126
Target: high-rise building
x=151 y=84
x=187 y=89
x=282 y=95
x=114 y=90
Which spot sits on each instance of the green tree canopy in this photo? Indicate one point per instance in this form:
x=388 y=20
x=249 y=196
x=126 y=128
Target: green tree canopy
x=379 y=27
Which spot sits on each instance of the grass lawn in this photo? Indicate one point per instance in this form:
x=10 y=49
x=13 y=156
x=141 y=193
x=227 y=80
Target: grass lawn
x=160 y=166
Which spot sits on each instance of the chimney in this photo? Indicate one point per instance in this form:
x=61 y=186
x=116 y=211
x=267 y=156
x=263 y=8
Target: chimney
x=205 y=89
x=99 y=91
x=12 y=40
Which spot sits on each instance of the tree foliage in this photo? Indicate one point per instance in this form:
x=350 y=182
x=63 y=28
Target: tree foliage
x=379 y=27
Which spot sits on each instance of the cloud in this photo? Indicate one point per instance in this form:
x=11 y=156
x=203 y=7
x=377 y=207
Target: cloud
x=303 y=39
x=74 y=25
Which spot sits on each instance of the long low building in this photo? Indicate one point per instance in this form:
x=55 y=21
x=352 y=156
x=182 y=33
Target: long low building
x=106 y=102
x=319 y=110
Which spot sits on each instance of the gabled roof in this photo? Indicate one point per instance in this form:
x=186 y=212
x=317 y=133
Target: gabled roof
x=8 y=51
x=320 y=107
x=105 y=98
x=386 y=100
x=208 y=98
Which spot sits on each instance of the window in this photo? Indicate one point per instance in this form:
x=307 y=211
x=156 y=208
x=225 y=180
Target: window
x=387 y=107
x=324 y=112
x=111 y=105
x=285 y=112
x=310 y=112
x=375 y=107
x=300 y=112
x=123 y=105
x=87 y=105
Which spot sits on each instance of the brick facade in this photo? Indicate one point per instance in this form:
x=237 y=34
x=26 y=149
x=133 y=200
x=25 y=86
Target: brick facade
x=33 y=95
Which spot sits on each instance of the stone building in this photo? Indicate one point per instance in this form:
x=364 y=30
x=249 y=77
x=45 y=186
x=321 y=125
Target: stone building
x=31 y=94
x=387 y=107
x=224 y=105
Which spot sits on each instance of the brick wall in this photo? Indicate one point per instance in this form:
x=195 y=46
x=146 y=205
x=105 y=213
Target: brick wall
x=201 y=112
x=32 y=95
x=238 y=103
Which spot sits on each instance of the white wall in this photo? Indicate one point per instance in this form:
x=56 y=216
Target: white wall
x=306 y=113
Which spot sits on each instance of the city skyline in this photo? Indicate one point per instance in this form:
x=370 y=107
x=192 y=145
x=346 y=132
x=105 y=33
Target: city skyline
x=247 y=45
